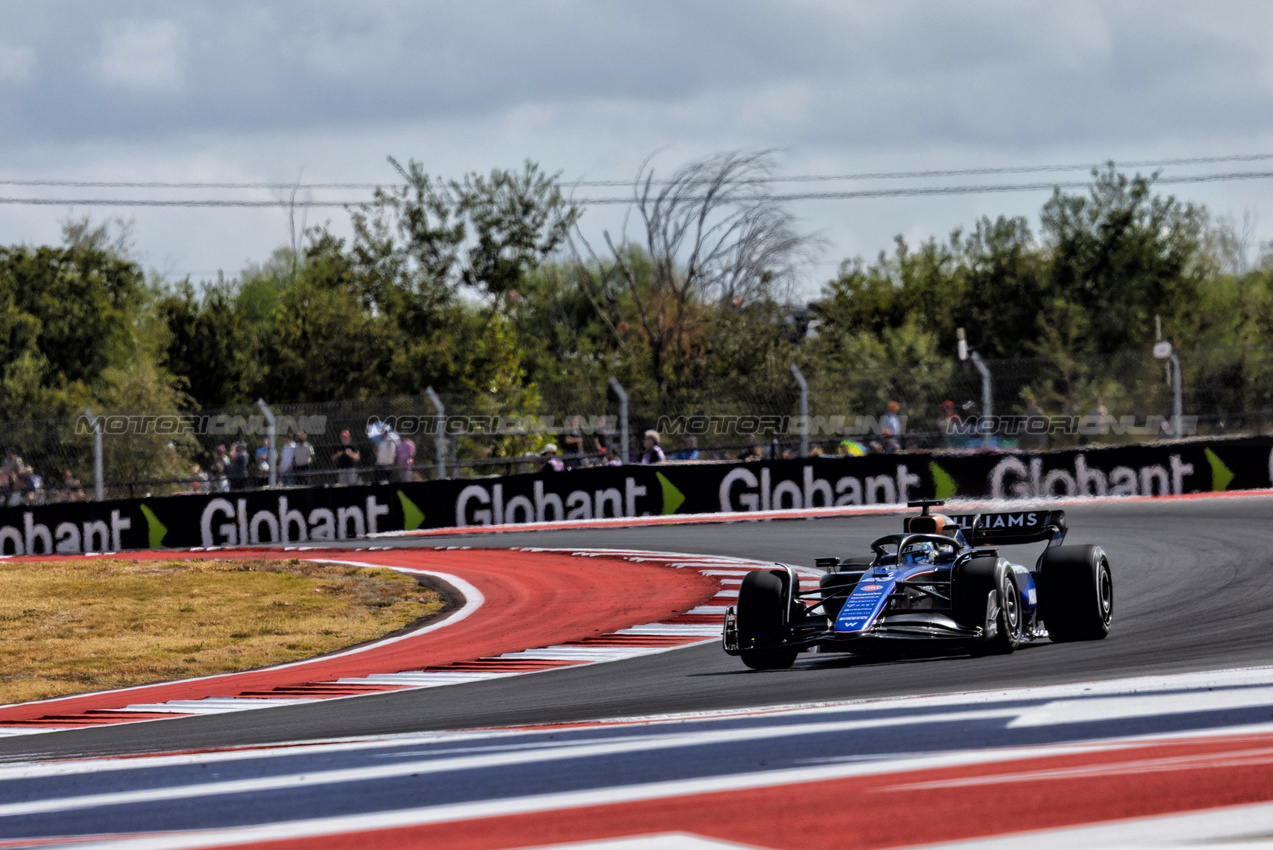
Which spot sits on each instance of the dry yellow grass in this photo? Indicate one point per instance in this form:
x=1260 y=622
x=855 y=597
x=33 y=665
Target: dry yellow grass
x=74 y=626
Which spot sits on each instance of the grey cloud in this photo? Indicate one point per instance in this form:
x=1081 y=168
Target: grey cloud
x=903 y=75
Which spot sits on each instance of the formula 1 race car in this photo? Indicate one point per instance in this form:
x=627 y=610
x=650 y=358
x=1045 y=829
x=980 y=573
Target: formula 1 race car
x=939 y=581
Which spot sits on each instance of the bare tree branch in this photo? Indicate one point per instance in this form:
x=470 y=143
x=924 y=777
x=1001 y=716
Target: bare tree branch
x=713 y=235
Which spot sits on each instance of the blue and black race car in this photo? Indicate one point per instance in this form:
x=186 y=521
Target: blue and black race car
x=941 y=580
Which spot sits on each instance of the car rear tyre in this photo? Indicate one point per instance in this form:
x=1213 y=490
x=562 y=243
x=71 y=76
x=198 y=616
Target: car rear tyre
x=762 y=620
x=1076 y=596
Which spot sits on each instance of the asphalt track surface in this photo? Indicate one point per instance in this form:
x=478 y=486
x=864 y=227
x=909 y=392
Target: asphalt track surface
x=1193 y=591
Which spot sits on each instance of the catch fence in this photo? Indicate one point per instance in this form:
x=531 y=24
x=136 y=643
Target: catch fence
x=1028 y=404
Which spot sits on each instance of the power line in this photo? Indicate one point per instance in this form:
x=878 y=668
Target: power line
x=970 y=172
x=795 y=178
x=894 y=192
x=161 y=184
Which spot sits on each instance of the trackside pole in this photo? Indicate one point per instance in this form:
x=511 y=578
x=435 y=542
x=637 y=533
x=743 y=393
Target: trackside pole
x=1177 y=403
x=804 y=410
x=1167 y=351
x=987 y=397
x=623 y=416
x=271 y=436
x=97 y=453
x=440 y=435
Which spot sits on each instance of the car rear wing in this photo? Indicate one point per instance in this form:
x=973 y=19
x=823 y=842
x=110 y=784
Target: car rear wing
x=1012 y=528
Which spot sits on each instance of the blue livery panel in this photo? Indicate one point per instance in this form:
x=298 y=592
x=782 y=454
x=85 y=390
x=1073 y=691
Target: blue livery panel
x=864 y=605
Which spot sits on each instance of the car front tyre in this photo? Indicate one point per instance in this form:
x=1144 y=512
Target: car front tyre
x=762 y=620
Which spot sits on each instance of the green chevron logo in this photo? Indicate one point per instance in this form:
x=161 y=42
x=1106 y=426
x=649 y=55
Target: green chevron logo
x=1221 y=475
x=412 y=516
x=672 y=498
x=156 y=529
x=944 y=487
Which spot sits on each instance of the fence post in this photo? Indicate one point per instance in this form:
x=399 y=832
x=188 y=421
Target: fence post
x=804 y=410
x=623 y=417
x=1177 y=405
x=271 y=435
x=987 y=398
x=440 y=419
x=97 y=453
x=1166 y=351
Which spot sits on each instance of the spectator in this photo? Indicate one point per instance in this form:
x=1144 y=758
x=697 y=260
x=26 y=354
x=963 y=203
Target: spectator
x=1036 y=435
x=653 y=452
x=850 y=448
x=302 y=457
x=286 y=457
x=889 y=422
x=71 y=489
x=945 y=421
x=602 y=454
x=198 y=479
x=890 y=443
x=572 y=449
x=237 y=471
x=345 y=459
x=689 y=451
x=612 y=457
x=968 y=411
x=1097 y=417
x=261 y=462
x=552 y=463
x=385 y=440
x=220 y=468
x=404 y=458
x=752 y=452
x=12 y=463
x=30 y=487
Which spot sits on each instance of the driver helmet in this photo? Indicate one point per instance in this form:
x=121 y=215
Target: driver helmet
x=919 y=553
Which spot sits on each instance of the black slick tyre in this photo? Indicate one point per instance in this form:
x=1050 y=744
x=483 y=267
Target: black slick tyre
x=1010 y=624
x=984 y=595
x=836 y=588
x=1076 y=597
x=762 y=621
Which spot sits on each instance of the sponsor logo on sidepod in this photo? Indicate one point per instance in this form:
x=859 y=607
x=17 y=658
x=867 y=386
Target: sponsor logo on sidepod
x=873 y=587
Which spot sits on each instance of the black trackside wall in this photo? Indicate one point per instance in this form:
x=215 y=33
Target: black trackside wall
x=342 y=513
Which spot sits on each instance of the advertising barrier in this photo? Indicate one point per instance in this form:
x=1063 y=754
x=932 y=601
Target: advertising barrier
x=299 y=515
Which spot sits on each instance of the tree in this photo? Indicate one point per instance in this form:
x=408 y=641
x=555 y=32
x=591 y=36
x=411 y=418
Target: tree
x=210 y=345
x=712 y=235
x=79 y=300
x=1122 y=254
x=503 y=225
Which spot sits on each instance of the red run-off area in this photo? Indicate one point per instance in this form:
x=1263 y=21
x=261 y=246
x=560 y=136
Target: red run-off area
x=531 y=599
x=891 y=809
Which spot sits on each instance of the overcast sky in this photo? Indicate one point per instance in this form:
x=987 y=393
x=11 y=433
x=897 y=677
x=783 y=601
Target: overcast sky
x=323 y=91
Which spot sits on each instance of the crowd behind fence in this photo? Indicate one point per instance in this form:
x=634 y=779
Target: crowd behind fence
x=940 y=406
